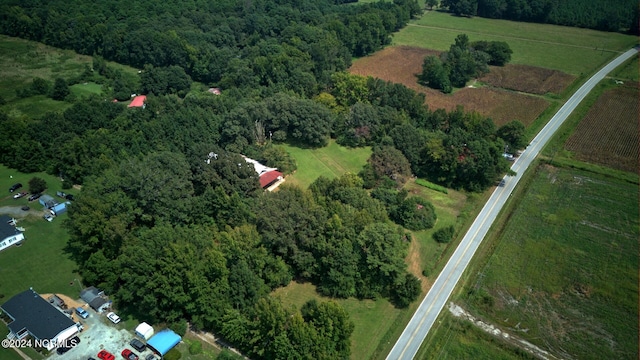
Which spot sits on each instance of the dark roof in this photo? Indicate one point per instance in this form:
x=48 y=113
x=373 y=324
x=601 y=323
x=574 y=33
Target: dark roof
x=89 y=294
x=269 y=178
x=29 y=310
x=97 y=303
x=6 y=230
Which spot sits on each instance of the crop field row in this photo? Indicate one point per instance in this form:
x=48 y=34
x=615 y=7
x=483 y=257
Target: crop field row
x=528 y=79
x=401 y=64
x=608 y=134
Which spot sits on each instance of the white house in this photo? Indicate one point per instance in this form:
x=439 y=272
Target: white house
x=9 y=235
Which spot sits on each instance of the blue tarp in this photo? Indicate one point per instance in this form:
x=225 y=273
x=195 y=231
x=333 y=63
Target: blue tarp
x=164 y=341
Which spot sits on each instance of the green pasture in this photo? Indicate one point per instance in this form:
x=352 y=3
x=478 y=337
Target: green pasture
x=86 y=89
x=628 y=71
x=330 y=161
x=565 y=267
x=571 y=50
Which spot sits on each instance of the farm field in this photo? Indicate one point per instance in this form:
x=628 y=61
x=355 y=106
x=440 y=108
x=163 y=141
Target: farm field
x=330 y=161
x=564 y=273
x=528 y=79
x=608 y=134
x=401 y=64
x=570 y=50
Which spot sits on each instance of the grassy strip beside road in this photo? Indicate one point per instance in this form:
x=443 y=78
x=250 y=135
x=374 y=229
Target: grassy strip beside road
x=532 y=44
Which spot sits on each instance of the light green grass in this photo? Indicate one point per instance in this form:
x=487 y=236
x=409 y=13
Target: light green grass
x=566 y=266
x=372 y=319
x=330 y=161
x=86 y=89
x=571 y=50
x=40 y=262
x=629 y=71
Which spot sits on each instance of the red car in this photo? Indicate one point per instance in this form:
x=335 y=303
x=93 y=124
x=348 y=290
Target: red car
x=129 y=355
x=105 y=355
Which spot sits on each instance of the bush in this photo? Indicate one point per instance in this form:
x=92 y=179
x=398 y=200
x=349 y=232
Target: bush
x=415 y=214
x=37 y=185
x=195 y=348
x=432 y=186
x=444 y=235
x=66 y=185
x=179 y=327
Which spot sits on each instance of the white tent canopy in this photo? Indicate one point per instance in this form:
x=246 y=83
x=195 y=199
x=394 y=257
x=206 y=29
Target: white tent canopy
x=144 y=330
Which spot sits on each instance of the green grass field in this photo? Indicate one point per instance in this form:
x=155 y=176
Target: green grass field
x=565 y=269
x=331 y=161
x=86 y=89
x=572 y=50
x=629 y=71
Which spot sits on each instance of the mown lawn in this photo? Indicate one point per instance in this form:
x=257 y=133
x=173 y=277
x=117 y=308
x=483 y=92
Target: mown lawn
x=330 y=161
x=86 y=89
x=565 y=269
x=571 y=50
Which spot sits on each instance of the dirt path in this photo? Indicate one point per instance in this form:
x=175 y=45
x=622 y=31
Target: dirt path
x=210 y=339
x=459 y=312
x=415 y=264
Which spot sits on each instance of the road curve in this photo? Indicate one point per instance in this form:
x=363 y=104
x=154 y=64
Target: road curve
x=416 y=331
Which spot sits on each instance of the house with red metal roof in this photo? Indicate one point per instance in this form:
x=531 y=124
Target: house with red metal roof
x=138 y=101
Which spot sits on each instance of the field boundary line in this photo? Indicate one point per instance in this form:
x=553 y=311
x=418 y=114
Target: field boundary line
x=516 y=38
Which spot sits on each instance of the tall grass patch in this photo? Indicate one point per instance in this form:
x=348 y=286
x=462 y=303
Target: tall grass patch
x=564 y=274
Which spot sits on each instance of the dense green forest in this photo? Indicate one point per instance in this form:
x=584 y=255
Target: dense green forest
x=171 y=220
x=619 y=15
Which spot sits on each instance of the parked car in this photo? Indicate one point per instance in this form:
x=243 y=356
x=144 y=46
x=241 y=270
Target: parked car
x=19 y=195
x=105 y=355
x=129 y=355
x=48 y=217
x=69 y=197
x=25 y=208
x=15 y=187
x=150 y=357
x=34 y=197
x=113 y=317
x=138 y=345
x=68 y=345
x=82 y=313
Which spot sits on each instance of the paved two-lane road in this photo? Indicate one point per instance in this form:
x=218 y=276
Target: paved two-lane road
x=409 y=342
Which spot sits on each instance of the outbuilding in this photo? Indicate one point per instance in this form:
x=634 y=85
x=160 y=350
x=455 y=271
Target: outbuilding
x=164 y=341
x=144 y=331
x=47 y=201
x=60 y=208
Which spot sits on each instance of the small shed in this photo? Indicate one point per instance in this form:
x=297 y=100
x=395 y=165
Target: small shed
x=164 y=341
x=47 y=201
x=138 y=101
x=144 y=331
x=60 y=208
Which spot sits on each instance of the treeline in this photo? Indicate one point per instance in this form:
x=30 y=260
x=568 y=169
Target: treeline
x=285 y=45
x=618 y=16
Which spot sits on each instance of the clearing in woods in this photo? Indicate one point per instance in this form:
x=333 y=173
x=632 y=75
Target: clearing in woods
x=608 y=134
x=401 y=64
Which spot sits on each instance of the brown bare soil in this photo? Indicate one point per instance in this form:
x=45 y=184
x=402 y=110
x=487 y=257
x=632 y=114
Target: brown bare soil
x=608 y=134
x=401 y=64
x=529 y=79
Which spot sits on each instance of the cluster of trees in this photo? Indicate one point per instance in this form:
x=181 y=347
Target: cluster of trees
x=39 y=86
x=462 y=62
x=600 y=14
x=285 y=45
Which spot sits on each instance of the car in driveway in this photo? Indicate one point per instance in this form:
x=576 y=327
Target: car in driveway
x=15 y=187
x=68 y=345
x=113 y=317
x=138 y=345
x=34 y=197
x=129 y=355
x=82 y=313
x=19 y=195
x=105 y=355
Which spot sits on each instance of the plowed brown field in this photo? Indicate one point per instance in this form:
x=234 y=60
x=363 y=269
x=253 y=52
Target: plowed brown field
x=608 y=134
x=401 y=64
x=529 y=79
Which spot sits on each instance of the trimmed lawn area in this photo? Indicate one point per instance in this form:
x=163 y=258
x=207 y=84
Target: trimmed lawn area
x=330 y=161
x=571 y=50
x=90 y=88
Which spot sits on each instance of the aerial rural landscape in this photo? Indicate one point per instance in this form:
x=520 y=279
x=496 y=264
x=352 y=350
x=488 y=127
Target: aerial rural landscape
x=290 y=179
